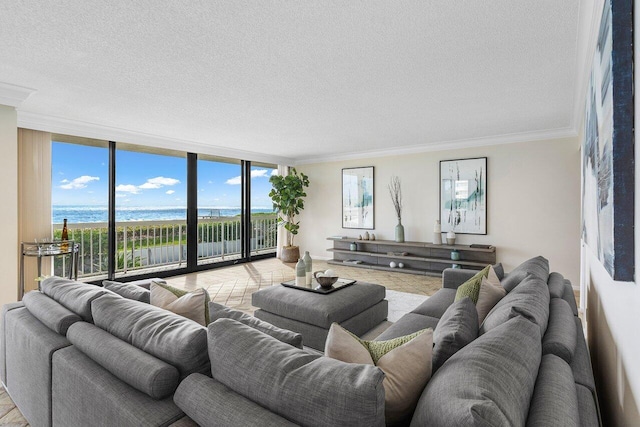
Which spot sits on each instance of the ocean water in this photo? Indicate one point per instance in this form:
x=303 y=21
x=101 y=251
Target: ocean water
x=81 y=214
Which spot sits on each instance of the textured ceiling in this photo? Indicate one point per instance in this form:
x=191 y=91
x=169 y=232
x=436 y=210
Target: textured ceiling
x=298 y=79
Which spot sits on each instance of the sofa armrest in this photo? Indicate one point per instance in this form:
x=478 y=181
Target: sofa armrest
x=209 y=402
x=454 y=277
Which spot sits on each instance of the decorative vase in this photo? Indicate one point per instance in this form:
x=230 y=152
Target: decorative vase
x=373 y=236
x=399 y=232
x=290 y=253
x=301 y=273
x=307 y=267
x=353 y=246
x=366 y=235
x=437 y=233
x=455 y=255
x=451 y=238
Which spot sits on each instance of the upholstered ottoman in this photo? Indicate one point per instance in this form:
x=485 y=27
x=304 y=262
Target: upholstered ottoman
x=358 y=308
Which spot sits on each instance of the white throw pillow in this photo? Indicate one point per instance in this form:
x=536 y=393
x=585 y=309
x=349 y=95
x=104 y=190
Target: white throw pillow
x=193 y=305
x=406 y=362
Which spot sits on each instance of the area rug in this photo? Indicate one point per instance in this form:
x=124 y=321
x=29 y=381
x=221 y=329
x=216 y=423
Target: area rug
x=400 y=303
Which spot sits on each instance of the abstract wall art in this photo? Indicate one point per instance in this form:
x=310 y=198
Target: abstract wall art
x=463 y=195
x=357 y=198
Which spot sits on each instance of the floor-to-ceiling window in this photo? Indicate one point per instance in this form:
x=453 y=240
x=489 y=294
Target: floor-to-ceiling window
x=219 y=209
x=142 y=211
x=151 y=209
x=79 y=194
x=263 y=218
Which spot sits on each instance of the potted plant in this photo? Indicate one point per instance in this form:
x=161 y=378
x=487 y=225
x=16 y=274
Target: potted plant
x=288 y=196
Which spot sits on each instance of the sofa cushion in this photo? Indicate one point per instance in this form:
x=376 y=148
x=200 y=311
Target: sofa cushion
x=130 y=364
x=587 y=407
x=128 y=290
x=209 y=402
x=406 y=362
x=538 y=267
x=219 y=311
x=554 y=401
x=489 y=382
x=174 y=339
x=193 y=305
x=304 y=388
x=570 y=297
x=471 y=288
x=436 y=304
x=561 y=335
x=457 y=328
x=530 y=299
x=491 y=291
x=499 y=269
x=581 y=362
x=408 y=324
x=556 y=285
x=53 y=315
x=75 y=296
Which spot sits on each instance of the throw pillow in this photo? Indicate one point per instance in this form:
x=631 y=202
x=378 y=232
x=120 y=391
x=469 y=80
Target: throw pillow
x=458 y=327
x=471 y=287
x=491 y=292
x=219 y=311
x=406 y=362
x=193 y=305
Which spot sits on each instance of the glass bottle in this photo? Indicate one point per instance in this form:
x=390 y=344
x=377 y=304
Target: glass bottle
x=64 y=246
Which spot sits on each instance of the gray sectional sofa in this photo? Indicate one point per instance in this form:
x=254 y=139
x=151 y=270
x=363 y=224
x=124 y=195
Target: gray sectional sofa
x=78 y=355
x=527 y=364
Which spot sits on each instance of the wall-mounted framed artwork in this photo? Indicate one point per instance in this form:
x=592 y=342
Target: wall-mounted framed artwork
x=357 y=198
x=463 y=195
x=608 y=145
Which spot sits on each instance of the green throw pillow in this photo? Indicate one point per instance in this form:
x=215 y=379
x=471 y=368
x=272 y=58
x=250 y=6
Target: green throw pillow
x=377 y=349
x=471 y=288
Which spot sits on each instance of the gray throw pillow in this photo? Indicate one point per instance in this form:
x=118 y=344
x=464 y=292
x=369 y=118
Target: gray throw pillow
x=490 y=382
x=457 y=328
x=128 y=290
x=538 y=267
x=219 y=311
x=529 y=299
x=499 y=269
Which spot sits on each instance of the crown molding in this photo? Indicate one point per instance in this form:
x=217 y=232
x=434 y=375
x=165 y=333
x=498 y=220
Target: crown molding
x=60 y=125
x=446 y=145
x=13 y=95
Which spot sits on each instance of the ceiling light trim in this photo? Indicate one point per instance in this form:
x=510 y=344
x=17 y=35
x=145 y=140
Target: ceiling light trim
x=61 y=125
x=14 y=95
x=568 y=132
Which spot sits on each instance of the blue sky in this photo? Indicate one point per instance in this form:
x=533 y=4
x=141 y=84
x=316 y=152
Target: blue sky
x=80 y=177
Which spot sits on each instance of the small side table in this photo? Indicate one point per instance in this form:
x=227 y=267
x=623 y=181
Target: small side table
x=48 y=249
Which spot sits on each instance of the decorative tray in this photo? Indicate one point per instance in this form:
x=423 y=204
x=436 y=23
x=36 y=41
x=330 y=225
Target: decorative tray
x=315 y=286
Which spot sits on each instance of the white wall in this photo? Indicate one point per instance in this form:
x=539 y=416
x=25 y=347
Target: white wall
x=612 y=312
x=9 y=213
x=533 y=201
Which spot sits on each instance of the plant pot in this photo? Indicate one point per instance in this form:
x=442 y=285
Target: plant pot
x=290 y=253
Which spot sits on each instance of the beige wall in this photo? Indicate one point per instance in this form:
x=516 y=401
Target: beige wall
x=533 y=201
x=9 y=212
x=612 y=313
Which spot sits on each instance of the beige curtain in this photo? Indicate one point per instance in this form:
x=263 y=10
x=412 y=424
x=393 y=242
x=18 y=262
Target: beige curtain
x=34 y=197
x=282 y=233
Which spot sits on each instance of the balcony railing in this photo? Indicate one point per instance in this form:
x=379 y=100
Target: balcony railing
x=144 y=245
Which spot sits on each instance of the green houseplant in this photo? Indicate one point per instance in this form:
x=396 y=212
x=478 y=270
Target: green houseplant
x=288 y=196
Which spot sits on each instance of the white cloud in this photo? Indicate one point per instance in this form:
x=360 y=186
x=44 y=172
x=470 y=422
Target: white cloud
x=79 y=182
x=127 y=188
x=234 y=181
x=256 y=173
x=159 y=181
x=274 y=172
x=170 y=192
x=64 y=181
x=119 y=195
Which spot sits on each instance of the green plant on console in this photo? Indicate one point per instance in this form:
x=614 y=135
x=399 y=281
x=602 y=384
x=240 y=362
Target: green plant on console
x=288 y=200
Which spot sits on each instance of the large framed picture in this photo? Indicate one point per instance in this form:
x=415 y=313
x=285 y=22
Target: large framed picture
x=608 y=177
x=463 y=195
x=357 y=198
